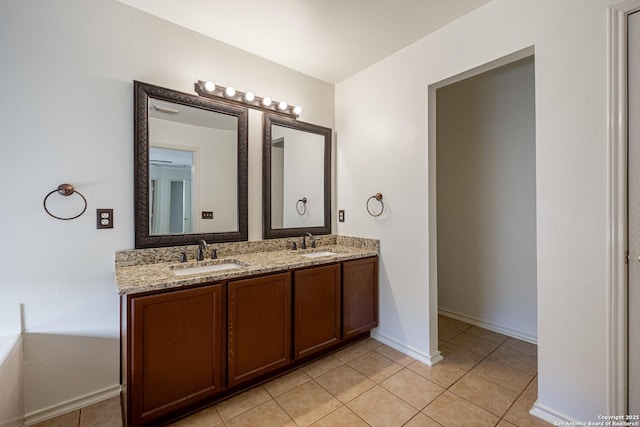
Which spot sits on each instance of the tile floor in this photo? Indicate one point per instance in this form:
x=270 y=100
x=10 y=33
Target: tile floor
x=486 y=379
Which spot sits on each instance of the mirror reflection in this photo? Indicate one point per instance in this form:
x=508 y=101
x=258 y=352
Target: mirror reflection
x=183 y=196
x=191 y=162
x=297 y=178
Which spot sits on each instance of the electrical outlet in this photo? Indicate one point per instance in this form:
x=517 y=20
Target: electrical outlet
x=341 y=215
x=207 y=214
x=104 y=218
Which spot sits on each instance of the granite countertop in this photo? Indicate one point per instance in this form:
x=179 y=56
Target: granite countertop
x=136 y=272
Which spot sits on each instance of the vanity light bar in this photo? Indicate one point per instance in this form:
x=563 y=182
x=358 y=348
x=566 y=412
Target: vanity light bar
x=211 y=90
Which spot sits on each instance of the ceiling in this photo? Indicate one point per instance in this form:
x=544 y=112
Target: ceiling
x=327 y=39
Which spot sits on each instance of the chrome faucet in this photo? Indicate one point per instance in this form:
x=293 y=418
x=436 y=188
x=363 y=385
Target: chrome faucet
x=304 y=241
x=202 y=245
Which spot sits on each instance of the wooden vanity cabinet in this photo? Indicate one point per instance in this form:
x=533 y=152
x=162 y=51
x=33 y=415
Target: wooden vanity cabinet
x=259 y=326
x=359 y=296
x=184 y=348
x=316 y=309
x=174 y=341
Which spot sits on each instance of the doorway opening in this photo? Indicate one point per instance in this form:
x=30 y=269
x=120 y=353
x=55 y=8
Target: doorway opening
x=482 y=201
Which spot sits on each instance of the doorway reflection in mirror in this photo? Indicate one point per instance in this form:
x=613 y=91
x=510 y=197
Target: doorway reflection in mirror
x=170 y=191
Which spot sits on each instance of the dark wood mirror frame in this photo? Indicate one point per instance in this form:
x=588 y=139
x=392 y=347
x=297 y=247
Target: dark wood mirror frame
x=143 y=239
x=272 y=233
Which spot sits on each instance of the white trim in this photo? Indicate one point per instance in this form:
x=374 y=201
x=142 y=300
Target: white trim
x=549 y=415
x=495 y=327
x=617 y=297
x=429 y=359
x=71 y=405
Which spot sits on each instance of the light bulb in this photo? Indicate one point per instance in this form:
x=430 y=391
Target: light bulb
x=282 y=106
x=210 y=86
x=249 y=97
x=230 y=92
x=266 y=101
x=297 y=110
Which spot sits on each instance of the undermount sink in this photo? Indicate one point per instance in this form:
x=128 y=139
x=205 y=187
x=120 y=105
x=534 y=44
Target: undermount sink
x=319 y=254
x=199 y=269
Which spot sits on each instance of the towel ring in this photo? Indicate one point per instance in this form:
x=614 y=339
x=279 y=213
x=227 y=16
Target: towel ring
x=378 y=197
x=304 y=206
x=64 y=190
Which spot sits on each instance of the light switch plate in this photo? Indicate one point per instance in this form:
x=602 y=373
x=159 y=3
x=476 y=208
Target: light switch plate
x=341 y=215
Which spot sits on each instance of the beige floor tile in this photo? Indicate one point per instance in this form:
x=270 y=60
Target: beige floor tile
x=515 y=359
x=72 y=419
x=266 y=414
x=102 y=414
x=412 y=388
x=352 y=352
x=522 y=346
x=504 y=423
x=421 y=420
x=519 y=414
x=444 y=374
x=345 y=383
x=451 y=323
x=286 y=382
x=206 y=418
x=395 y=355
x=474 y=344
x=371 y=343
x=381 y=408
x=242 y=403
x=451 y=410
x=375 y=366
x=486 y=334
x=446 y=334
x=341 y=417
x=484 y=394
x=308 y=403
x=322 y=366
x=502 y=375
x=459 y=357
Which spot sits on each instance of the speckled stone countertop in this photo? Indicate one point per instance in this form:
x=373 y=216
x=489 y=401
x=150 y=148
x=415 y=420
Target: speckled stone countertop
x=143 y=270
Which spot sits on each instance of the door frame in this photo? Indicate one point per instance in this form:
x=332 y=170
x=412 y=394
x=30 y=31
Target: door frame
x=617 y=205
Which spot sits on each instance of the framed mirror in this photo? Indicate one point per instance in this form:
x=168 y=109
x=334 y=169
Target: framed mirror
x=296 y=184
x=191 y=160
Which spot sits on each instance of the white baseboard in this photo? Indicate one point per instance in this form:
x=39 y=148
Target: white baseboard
x=551 y=416
x=71 y=405
x=429 y=359
x=501 y=329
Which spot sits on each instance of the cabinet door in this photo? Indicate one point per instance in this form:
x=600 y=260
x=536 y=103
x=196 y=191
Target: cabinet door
x=259 y=326
x=175 y=350
x=359 y=296
x=316 y=294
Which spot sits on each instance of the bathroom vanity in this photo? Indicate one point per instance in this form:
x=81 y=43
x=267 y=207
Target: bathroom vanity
x=259 y=310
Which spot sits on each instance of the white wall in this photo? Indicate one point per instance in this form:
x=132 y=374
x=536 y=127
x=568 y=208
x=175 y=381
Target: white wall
x=569 y=38
x=486 y=200
x=66 y=116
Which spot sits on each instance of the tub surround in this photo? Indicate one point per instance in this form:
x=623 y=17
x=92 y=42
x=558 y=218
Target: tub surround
x=144 y=270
